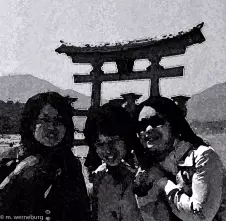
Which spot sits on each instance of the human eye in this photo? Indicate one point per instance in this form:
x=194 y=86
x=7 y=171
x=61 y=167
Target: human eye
x=41 y=121
x=59 y=118
x=115 y=139
x=99 y=144
x=43 y=117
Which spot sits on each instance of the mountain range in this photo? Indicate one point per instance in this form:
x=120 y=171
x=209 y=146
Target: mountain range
x=21 y=87
x=208 y=105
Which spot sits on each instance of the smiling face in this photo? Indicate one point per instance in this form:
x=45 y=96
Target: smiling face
x=49 y=129
x=111 y=149
x=155 y=132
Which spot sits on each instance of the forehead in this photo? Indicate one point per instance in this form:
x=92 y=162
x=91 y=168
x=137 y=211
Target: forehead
x=147 y=112
x=48 y=110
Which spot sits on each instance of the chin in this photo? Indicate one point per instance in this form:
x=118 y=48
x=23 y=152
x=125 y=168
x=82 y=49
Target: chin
x=50 y=143
x=156 y=152
x=151 y=147
x=113 y=163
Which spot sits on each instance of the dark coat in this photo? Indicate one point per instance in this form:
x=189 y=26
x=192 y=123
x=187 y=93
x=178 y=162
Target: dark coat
x=38 y=187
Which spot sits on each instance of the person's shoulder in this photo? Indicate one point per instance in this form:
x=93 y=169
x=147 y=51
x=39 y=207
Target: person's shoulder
x=207 y=154
x=25 y=169
x=207 y=150
x=21 y=172
x=26 y=163
x=100 y=173
x=101 y=169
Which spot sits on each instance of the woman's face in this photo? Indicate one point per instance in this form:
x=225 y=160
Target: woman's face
x=111 y=149
x=155 y=132
x=49 y=128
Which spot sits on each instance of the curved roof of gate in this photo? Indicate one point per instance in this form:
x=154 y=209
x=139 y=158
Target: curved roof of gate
x=188 y=38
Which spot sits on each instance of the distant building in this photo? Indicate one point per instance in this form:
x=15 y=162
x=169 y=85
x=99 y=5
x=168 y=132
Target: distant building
x=181 y=101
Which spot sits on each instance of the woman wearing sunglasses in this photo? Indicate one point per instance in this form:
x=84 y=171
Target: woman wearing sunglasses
x=113 y=137
x=184 y=173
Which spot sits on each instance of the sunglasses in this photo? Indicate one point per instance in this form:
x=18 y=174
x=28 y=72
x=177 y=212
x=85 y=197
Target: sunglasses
x=154 y=122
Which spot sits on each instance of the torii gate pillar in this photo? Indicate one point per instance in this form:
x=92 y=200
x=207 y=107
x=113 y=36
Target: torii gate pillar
x=96 y=86
x=125 y=54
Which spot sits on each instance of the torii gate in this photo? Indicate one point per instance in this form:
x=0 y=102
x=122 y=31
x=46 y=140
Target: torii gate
x=125 y=54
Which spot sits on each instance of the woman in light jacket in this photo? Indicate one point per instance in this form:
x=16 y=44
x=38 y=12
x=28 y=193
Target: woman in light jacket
x=187 y=176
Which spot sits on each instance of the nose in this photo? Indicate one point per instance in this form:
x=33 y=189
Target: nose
x=108 y=149
x=51 y=126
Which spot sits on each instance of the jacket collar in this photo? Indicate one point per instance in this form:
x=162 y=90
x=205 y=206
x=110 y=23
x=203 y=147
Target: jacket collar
x=178 y=157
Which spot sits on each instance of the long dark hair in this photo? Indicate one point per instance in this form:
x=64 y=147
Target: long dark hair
x=111 y=120
x=172 y=113
x=30 y=114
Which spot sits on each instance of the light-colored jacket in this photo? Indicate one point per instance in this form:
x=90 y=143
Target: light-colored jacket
x=198 y=193
x=114 y=200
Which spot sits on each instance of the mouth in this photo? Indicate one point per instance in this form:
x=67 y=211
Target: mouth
x=52 y=135
x=152 y=140
x=110 y=157
x=149 y=144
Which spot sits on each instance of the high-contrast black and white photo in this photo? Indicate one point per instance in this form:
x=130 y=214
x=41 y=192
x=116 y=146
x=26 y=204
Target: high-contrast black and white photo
x=113 y=110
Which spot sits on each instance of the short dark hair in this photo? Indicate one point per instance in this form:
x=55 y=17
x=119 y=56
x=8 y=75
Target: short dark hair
x=30 y=114
x=112 y=120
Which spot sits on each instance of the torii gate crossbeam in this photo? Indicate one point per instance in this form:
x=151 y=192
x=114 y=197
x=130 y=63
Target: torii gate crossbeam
x=125 y=54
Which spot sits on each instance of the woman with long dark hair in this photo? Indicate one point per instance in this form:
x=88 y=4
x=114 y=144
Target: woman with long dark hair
x=48 y=180
x=112 y=135
x=185 y=172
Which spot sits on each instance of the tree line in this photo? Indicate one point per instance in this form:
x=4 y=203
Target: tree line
x=10 y=115
x=11 y=112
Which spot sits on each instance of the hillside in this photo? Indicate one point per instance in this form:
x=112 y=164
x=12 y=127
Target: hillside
x=209 y=105
x=21 y=87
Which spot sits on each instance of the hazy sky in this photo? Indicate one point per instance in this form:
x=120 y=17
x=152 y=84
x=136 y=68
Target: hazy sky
x=31 y=30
